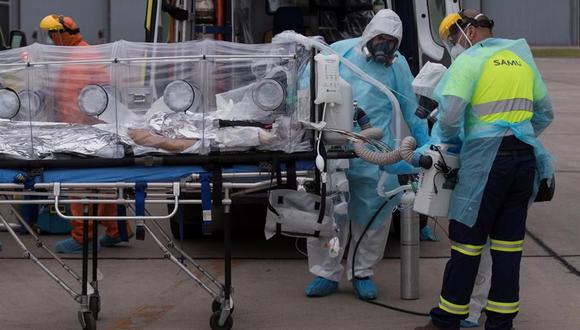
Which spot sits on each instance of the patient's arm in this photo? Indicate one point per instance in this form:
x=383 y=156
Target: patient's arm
x=145 y=138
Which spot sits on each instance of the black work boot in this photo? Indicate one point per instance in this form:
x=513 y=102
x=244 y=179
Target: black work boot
x=428 y=326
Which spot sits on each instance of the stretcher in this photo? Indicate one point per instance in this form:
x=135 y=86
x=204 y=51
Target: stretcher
x=134 y=188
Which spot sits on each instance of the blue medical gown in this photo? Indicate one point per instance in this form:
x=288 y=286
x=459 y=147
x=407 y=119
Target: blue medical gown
x=480 y=141
x=363 y=177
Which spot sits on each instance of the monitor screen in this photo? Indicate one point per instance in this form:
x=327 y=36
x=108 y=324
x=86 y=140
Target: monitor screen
x=16 y=41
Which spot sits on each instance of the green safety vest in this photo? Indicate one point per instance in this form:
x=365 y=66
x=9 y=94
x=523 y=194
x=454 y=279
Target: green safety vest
x=503 y=93
x=504 y=90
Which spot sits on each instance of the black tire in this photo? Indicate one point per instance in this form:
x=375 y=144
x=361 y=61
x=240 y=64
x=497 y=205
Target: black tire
x=95 y=306
x=190 y=230
x=214 y=322
x=216 y=306
x=89 y=320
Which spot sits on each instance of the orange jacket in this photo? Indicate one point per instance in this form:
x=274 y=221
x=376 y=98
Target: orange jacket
x=72 y=78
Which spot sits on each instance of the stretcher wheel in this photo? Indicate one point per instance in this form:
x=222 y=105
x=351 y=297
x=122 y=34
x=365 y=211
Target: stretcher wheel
x=214 y=322
x=216 y=306
x=88 y=321
x=95 y=306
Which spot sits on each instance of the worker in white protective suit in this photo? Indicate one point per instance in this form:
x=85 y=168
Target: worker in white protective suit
x=376 y=54
x=480 y=290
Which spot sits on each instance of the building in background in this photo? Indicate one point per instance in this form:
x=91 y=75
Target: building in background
x=542 y=23
x=99 y=20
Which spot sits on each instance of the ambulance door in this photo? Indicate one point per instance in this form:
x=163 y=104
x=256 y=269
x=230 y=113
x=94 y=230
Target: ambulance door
x=428 y=15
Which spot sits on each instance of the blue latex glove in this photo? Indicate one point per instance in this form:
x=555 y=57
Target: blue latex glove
x=454 y=145
x=401 y=167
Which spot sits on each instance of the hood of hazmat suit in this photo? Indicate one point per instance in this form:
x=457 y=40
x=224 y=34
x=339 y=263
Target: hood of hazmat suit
x=385 y=21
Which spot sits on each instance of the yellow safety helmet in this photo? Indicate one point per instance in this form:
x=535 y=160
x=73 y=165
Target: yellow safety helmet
x=59 y=23
x=51 y=23
x=454 y=21
x=447 y=24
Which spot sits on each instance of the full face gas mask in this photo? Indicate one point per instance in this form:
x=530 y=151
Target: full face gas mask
x=381 y=49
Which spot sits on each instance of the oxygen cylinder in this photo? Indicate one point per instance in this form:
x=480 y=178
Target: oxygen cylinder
x=409 y=248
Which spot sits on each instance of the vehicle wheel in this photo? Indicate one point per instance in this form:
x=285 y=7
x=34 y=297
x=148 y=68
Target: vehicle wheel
x=192 y=219
x=190 y=230
x=216 y=306
x=95 y=306
x=214 y=322
x=88 y=321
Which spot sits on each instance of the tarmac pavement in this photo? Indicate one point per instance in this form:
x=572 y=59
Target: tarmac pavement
x=141 y=290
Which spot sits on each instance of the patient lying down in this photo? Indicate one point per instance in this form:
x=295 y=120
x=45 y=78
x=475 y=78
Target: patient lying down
x=189 y=132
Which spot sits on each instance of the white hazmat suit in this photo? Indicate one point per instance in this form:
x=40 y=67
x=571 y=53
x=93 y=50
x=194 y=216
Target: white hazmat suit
x=363 y=177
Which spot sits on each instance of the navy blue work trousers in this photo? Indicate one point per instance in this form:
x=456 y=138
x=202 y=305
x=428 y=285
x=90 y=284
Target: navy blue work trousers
x=502 y=219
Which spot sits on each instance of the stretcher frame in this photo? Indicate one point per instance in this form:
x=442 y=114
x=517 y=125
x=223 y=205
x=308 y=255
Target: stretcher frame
x=59 y=194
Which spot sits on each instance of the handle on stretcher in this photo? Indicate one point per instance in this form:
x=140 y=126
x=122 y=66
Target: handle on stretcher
x=176 y=190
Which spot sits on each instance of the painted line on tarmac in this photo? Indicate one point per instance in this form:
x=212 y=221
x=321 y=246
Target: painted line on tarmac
x=567 y=171
x=551 y=252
